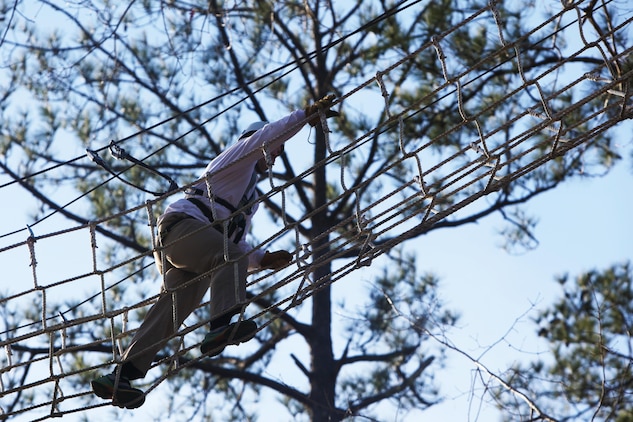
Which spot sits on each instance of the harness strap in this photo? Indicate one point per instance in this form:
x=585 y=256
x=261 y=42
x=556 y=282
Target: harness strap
x=199 y=192
x=205 y=210
x=236 y=222
x=245 y=202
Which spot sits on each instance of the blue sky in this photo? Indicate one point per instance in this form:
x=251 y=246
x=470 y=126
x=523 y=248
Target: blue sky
x=582 y=225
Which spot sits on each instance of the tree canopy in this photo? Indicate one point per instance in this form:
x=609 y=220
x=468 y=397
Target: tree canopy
x=588 y=374
x=418 y=82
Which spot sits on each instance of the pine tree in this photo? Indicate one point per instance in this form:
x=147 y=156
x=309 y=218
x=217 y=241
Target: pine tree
x=174 y=82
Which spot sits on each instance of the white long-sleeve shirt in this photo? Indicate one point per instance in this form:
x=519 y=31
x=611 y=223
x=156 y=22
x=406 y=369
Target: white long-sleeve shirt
x=230 y=173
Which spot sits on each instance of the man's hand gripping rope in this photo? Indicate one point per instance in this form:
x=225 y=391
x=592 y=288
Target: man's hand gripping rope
x=312 y=111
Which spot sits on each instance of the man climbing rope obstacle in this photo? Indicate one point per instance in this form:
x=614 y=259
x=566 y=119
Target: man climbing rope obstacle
x=203 y=245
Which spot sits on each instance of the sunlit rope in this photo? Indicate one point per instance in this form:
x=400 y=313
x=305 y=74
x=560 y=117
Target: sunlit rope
x=414 y=202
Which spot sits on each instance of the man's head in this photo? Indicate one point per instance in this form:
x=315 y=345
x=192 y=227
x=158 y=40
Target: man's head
x=252 y=128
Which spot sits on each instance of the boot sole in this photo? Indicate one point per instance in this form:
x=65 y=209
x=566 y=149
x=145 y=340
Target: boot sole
x=125 y=398
x=245 y=331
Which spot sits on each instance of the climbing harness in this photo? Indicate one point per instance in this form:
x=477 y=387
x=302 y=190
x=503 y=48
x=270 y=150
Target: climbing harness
x=237 y=223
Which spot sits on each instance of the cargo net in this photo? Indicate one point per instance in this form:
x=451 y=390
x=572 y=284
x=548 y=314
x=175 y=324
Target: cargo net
x=541 y=131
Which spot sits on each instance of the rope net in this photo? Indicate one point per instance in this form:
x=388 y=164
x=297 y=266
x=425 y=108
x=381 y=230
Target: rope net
x=540 y=132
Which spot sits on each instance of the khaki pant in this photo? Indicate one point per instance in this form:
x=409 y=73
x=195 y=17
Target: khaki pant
x=191 y=248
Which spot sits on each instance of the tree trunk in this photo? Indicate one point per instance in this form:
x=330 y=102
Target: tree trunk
x=323 y=377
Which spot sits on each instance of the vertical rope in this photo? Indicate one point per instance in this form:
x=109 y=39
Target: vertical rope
x=326 y=130
x=44 y=307
x=211 y=195
x=383 y=92
x=151 y=221
x=118 y=347
x=304 y=253
x=93 y=246
x=30 y=241
x=56 y=394
x=420 y=176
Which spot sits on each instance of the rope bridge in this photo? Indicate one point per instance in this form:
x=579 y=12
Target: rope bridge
x=433 y=187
